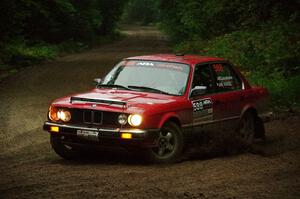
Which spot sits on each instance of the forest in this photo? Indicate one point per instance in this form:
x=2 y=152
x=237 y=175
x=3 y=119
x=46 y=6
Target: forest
x=35 y=30
x=261 y=37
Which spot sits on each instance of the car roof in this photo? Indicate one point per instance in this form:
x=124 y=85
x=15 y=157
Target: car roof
x=186 y=59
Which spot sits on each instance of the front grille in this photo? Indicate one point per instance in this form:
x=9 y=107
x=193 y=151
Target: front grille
x=94 y=117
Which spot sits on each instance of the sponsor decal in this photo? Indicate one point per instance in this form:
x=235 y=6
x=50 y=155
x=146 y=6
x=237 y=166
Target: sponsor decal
x=145 y=64
x=171 y=66
x=226 y=81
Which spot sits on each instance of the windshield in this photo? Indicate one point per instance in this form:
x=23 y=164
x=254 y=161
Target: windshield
x=151 y=76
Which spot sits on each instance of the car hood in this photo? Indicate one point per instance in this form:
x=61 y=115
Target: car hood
x=117 y=100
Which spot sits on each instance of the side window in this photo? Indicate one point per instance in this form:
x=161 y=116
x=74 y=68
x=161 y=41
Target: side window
x=226 y=78
x=203 y=77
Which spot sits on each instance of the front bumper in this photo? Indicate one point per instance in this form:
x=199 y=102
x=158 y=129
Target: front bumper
x=105 y=136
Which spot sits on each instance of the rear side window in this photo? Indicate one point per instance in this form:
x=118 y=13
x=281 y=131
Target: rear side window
x=226 y=78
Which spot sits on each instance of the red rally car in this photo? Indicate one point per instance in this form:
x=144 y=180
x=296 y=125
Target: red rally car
x=155 y=104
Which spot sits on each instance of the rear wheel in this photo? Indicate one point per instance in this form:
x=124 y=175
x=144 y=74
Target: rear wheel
x=63 y=150
x=247 y=128
x=170 y=145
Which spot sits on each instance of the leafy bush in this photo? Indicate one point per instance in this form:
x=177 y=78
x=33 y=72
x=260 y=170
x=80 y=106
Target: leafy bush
x=186 y=20
x=271 y=55
x=260 y=37
x=284 y=91
x=21 y=54
x=269 y=49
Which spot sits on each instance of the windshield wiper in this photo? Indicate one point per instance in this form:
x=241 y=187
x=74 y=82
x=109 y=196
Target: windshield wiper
x=149 y=89
x=112 y=86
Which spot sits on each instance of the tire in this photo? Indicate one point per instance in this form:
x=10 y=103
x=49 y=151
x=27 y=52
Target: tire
x=247 y=128
x=65 y=151
x=170 y=147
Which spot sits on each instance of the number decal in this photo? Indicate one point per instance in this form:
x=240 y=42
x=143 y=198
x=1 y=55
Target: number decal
x=203 y=109
x=218 y=68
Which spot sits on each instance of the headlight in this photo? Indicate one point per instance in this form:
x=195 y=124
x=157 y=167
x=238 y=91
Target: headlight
x=135 y=120
x=122 y=119
x=64 y=115
x=56 y=114
x=53 y=114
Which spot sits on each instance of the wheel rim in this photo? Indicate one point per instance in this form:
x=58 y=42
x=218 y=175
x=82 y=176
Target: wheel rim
x=247 y=129
x=166 y=144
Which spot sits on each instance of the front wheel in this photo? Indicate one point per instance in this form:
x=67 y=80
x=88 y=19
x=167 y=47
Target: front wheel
x=170 y=145
x=63 y=150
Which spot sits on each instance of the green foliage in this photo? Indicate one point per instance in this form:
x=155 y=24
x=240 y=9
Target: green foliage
x=275 y=47
x=112 y=11
x=35 y=30
x=21 y=54
x=141 y=12
x=207 y=19
x=55 y=21
x=260 y=37
x=284 y=90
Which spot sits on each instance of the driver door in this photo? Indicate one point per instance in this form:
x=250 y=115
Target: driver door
x=203 y=105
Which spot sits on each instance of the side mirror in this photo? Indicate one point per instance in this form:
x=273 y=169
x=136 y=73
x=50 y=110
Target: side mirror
x=97 y=81
x=198 y=90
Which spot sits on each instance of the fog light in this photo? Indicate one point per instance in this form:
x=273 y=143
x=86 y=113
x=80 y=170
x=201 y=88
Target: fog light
x=54 y=129
x=126 y=136
x=122 y=119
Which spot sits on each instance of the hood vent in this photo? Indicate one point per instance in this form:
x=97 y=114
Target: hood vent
x=97 y=101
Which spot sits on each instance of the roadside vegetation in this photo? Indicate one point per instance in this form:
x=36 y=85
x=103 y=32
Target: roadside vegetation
x=262 y=38
x=34 y=31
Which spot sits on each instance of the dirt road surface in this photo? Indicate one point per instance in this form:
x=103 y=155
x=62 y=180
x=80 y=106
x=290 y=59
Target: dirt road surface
x=30 y=169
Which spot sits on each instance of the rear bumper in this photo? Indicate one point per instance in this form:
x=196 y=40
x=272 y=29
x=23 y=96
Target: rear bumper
x=140 y=137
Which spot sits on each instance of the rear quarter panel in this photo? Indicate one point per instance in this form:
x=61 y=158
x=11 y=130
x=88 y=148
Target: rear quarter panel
x=255 y=97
